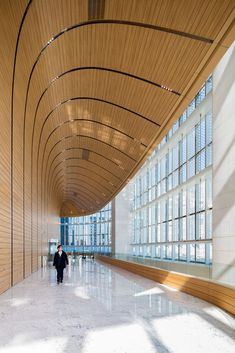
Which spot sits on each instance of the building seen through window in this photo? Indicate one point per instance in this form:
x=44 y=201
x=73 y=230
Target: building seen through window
x=88 y=234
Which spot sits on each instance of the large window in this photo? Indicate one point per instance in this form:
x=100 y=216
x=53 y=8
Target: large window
x=172 y=204
x=88 y=234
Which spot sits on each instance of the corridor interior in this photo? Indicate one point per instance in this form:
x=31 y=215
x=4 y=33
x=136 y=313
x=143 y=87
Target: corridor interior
x=89 y=90
x=101 y=308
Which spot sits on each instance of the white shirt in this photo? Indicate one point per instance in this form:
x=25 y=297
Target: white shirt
x=60 y=253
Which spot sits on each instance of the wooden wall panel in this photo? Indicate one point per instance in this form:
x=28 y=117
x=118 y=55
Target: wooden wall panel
x=18 y=215
x=8 y=37
x=16 y=251
x=27 y=232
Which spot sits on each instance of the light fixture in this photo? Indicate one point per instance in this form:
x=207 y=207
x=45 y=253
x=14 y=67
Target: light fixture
x=166 y=88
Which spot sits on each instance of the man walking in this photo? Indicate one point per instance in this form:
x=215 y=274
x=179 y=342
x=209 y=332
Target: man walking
x=60 y=262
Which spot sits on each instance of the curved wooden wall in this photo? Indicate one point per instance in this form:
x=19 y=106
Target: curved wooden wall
x=87 y=89
x=214 y=293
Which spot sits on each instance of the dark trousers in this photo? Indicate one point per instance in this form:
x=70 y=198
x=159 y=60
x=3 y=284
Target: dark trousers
x=60 y=274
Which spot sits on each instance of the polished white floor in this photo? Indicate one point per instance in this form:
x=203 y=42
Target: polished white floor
x=104 y=309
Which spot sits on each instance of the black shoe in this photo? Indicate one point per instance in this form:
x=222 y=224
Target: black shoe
x=58 y=282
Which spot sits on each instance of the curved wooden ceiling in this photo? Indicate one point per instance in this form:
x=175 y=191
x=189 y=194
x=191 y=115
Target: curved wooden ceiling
x=96 y=84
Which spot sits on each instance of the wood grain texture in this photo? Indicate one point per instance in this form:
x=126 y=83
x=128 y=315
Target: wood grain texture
x=84 y=100
x=212 y=292
x=108 y=73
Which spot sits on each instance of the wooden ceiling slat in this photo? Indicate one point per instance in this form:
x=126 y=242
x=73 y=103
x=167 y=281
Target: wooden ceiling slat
x=122 y=72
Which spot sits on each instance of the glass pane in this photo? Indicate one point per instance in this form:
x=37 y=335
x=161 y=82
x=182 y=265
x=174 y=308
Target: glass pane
x=175 y=156
x=163 y=167
x=191 y=167
x=163 y=211
x=148 y=251
x=201 y=95
x=198 y=137
x=170 y=161
x=163 y=232
x=153 y=234
x=183 y=203
x=168 y=251
x=158 y=189
x=197 y=196
x=175 y=178
x=163 y=186
x=210 y=253
x=158 y=251
x=202 y=225
x=191 y=227
x=158 y=212
x=183 y=230
x=209 y=192
x=208 y=128
x=209 y=224
x=164 y=253
x=170 y=207
x=170 y=231
x=191 y=144
x=183 y=150
x=191 y=199
x=201 y=161
x=184 y=116
x=191 y=107
x=202 y=201
x=169 y=182
x=183 y=174
x=200 y=253
x=158 y=233
x=176 y=206
x=209 y=155
x=169 y=135
x=182 y=252
x=176 y=229
x=175 y=126
x=176 y=252
x=192 y=253
x=197 y=228
x=203 y=133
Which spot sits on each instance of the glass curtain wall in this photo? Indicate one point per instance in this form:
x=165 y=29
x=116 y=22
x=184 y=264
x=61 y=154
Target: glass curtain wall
x=88 y=234
x=172 y=203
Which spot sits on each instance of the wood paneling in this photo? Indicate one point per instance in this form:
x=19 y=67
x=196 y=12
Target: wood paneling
x=84 y=101
x=215 y=293
x=8 y=37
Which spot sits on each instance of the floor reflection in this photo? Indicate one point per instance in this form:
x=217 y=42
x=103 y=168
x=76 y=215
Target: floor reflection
x=101 y=308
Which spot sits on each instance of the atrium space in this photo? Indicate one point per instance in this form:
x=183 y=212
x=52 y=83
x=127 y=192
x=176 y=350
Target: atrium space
x=117 y=176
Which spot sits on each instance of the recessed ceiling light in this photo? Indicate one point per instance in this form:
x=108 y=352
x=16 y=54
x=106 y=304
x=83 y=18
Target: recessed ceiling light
x=166 y=88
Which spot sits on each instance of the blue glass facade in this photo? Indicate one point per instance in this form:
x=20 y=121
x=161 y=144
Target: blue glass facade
x=88 y=234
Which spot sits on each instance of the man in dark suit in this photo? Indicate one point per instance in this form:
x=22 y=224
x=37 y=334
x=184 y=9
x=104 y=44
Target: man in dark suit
x=60 y=262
